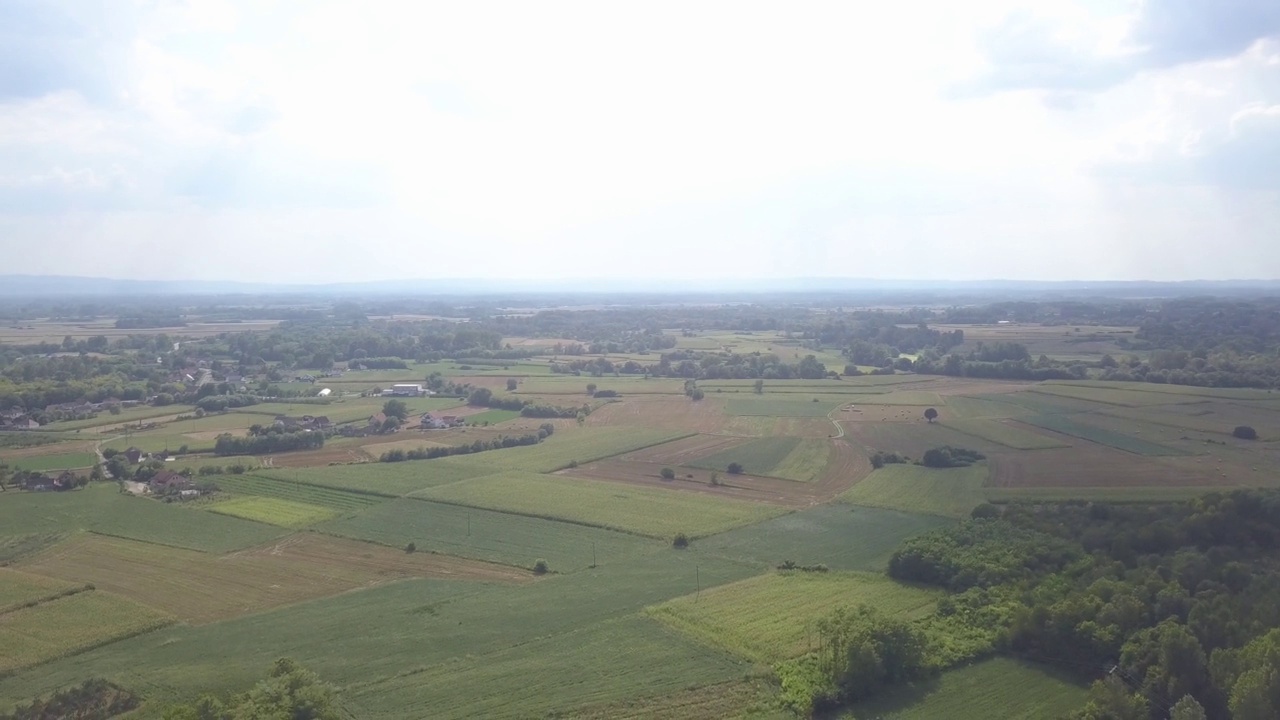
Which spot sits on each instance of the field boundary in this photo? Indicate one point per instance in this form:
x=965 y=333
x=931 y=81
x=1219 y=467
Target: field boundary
x=65 y=592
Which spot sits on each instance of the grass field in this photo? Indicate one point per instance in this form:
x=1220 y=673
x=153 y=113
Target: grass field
x=487 y=535
x=201 y=588
x=1077 y=426
x=55 y=461
x=1113 y=395
x=103 y=509
x=768 y=405
x=645 y=511
x=579 y=444
x=963 y=406
x=293 y=491
x=997 y=688
x=1099 y=494
x=951 y=492
x=785 y=457
x=68 y=625
x=127 y=415
x=770 y=618
x=914 y=438
x=619 y=656
x=18 y=588
x=273 y=511
x=840 y=536
x=1005 y=434
x=388 y=479
x=159 y=440
x=492 y=417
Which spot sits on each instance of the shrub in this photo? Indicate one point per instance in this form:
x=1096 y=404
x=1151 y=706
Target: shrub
x=680 y=542
x=410 y=548
x=539 y=567
x=1244 y=432
x=573 y=463
x=734 y=468
x=881 y=458
x=949 y=457
x=715 y=478
x=668 y=474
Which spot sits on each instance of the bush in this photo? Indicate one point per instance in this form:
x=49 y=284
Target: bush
x=410 y=548
x=734 y=468
x=1244 y=432
x=680 y=542
x=668 y=474
x=715 y=478
x=881 y=458
x=540 y=567
x=949 y=457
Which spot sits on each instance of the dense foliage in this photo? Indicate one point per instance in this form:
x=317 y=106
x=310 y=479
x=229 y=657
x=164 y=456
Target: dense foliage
x=289 y=692
x=94 y=699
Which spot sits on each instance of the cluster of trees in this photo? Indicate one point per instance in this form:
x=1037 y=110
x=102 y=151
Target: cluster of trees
x=504 y=441
x=94 y=699
x=947 y=456
x=218 y=403
x=271 y=442
x=1164 y=606
x=289 y=691
x=484 y=397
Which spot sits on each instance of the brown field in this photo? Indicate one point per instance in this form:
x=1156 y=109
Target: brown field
x=1095 y=466
x=846 y=467
x=38 y=331
x=679 y=452
x=672 y=413
x=859 y=412
x=202 y=588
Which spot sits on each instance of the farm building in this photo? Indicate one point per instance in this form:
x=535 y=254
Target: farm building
x=406 y=390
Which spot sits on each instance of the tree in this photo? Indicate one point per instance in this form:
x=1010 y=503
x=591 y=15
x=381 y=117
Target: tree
x=1244 y=432
x=511 y=384
x=395 y=409
x=95 y=474
x=930 y=414
x=668 y=474
x=410 y=548
x=4 y=475
x=734 y=468
x=591 y=388
x=759 y=387
x=680 y=542
x=540 y=567
x=1187 y=709
x=390 y=425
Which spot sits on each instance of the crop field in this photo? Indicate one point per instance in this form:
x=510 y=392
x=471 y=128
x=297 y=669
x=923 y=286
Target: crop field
x=70 y=624
x=676 y=414
x=626 y=386
x=579 y=445
x=1219 y=418
x=158 y=441
x=200 y=588
x=1104 y=467
x=1142 y=494
x=195 y=462
x=127 y=415
x=996 y=688
x=1046 y=403
x=770 y=406
x=273 y=511
x=684 y=450
x=291 y=490
x=487 y=535
x=950 y=492
x=492 y=417
x=1078 y=426
x=913 y=438
x=388 y=479
x=54 y=461
x=1007 y=434
x=103 y=509
x=840 y=536
x=733 y=699
x=962 y=406
x=1240 y=394
x=620 y=656
x=770 y=617
x=785 y=457
x=644 y=511
x=18 y=588
x=1112 y=396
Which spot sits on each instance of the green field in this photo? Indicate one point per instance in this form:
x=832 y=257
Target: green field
x=103 y=509
x=492 y=417
x=785 y=457
x=127 y=415
x=70 y=624
x=843 y=537
x=962 y=406
x=343 y=410
x=1045 y=403
x=1245 y=394
x=159 y=440
x=771 y=406
x=273 y=511
x=295 y=492
x=645 y=511
x=55 y=461
x=1112 y=396
x=18 y=588
x=1006 y=434
x=950 y=492
x=771 y=617
x=195 y=462
x=581 y=445
x=996 y=688
x=388 y=479
x=1099 y=494
x=1079 y=427
x=487 y=535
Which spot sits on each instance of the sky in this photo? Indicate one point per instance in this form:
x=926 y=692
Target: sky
x=314 y=141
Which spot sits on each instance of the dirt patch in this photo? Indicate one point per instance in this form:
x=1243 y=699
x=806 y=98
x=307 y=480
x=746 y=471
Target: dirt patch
x=679 y=452
x=1105 y=467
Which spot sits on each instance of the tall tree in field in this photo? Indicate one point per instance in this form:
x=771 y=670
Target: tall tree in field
x=591 y=388
x=759 y=387
x=511 y=384
x=930 y=414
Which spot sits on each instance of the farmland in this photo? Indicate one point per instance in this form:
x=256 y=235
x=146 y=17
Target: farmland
x=785 y=457
x=292 y=490
x=273 y=511
x=1081 y=428
x=1007 y=434
x=770 y=617
x=993 y=688
x=951 y=492
x=70 y=624
x=55 y=461
x=578 y=446
x=18 y=588
x=630 y=509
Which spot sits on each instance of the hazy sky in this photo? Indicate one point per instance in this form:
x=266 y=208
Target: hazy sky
x=325 y=141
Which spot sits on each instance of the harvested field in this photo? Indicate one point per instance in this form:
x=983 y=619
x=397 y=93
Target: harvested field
x=273 y=511
x=990 y=406
x=684 y=450
x=676 y=413
x=770 y=406
x=950 y=492
x=859 y=412
x=638 y=510
x=201 y=588
x=69 y=625
x=770 y=618
x=1105 y=467
x=56 y=448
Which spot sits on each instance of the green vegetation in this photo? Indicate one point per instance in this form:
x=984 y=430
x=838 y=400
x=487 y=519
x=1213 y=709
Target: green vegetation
x=19 y=588
x=492 y=417
x=70 y=624
x=387 y=479
x=1077 y=426
x=949 y=492
x=645 y=511
x=785 y=457
x=1006 y=433
x=56 y=461
x=289 y=691
x=770 y=405
x=273 y=511
x=772 y=617
x=294 y=491
x=581 y=444
x=995 y=688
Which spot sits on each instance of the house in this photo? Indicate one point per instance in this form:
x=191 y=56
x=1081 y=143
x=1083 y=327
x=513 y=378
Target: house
x=322 y=422
x=38 y=483
x=378 y=420
x=451 y=420
x=166 y=482
x=133 y=455
x=26 y=424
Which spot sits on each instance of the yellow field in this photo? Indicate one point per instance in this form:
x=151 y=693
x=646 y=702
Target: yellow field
x=274 y=511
